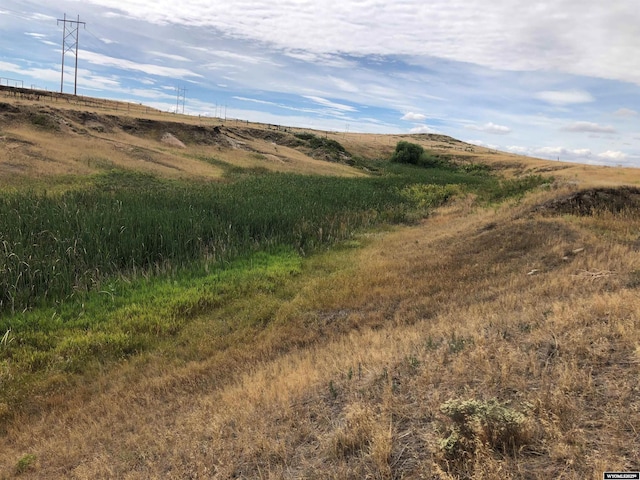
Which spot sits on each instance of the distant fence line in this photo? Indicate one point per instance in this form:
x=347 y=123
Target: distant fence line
x=50 y=97
x=14 y=82
x=57 y=97
x=46 y=96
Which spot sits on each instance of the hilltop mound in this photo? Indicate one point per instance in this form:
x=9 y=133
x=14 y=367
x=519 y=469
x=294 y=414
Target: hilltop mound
x=586 y=202
x=92 y=134
x=41 y=140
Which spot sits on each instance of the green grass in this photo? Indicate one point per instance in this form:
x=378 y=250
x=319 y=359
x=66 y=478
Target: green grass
x=122 y=264
x=58 y=246
x=55 y=247
x=128 y=318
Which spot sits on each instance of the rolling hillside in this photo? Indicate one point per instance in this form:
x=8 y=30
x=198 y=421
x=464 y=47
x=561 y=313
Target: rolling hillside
x=485 y=325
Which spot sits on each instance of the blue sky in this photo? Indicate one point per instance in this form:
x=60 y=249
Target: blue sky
x=557 y=79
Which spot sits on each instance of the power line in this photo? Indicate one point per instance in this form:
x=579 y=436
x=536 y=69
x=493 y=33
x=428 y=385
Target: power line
x=103 y=41
x=94 y=35
x=70 y=40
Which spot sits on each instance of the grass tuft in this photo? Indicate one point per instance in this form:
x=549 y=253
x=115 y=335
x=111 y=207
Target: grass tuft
x=25 y=464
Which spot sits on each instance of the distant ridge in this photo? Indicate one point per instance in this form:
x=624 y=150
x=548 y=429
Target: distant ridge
x=46 y=96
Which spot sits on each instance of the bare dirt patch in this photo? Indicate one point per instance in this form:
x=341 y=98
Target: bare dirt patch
x=587 y=202
x=172 y=141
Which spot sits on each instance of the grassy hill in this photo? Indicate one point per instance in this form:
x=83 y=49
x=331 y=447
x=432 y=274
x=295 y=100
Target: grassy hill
x=193 y=298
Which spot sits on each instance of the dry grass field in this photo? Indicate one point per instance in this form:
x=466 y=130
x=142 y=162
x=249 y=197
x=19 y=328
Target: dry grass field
x=483 y=342
x=43 y=139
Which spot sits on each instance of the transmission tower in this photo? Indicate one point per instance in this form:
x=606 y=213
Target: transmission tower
x=70 y=35
x=182 y=94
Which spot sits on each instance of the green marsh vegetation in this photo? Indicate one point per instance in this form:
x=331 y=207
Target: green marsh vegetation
x=119 y=265
x=332 y=149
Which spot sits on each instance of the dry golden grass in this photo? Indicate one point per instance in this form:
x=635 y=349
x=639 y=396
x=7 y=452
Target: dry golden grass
x=268 y=155
x=536 y=309
x=27 y=153
x=43 y=154
x=42 y=140
x=370 y=145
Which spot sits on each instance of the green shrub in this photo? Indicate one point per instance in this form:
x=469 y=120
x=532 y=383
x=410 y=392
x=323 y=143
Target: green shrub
x=407 y=152
x=482 y=423
x=326 y=147
x=414 y=154
x=304 y=135
x=44 y=121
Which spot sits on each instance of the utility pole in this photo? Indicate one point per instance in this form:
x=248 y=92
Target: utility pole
x=182 y=93
x=70 y=36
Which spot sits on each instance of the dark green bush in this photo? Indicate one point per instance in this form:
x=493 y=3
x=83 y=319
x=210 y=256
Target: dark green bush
x=407 y=152
x=44 y=121
x=304 y=135
x=414 y=154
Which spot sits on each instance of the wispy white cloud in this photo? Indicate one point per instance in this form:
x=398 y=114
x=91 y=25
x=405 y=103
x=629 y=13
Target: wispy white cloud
x=550 y=151
x=9 y=67
x=589 y=127
x=582 y=155
x=563 y=153
x=625 y=112
x=255 y=100
x=42 y=74
x=330 y=104
x=613 y=155
x=42 y=38
x=414 y=117
x=423 y=129
x=169 y=56
x=148 y=69
x=505 y=35
x=482 y=143
x=236 y=57
x=344 y=85
x=324 y=59
x=41 y=17
x=491 y=128
x=566 y=97
x=277 y=105
x=517 y=149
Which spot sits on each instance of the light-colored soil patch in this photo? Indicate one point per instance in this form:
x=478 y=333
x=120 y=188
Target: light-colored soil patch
x=172 y=141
